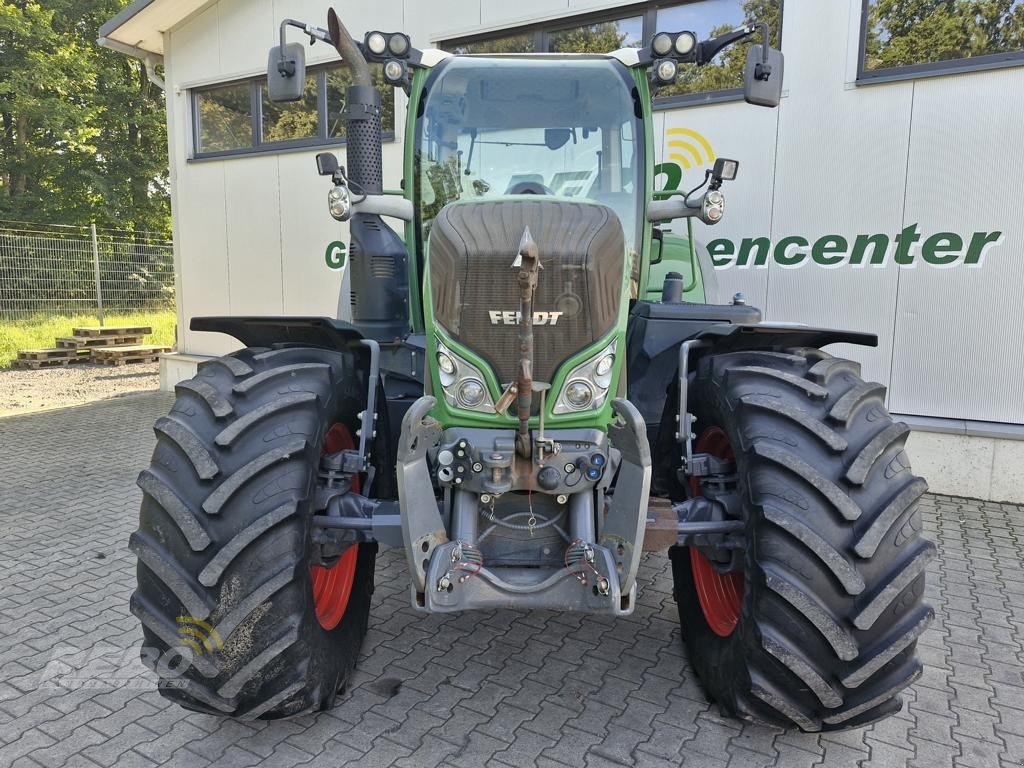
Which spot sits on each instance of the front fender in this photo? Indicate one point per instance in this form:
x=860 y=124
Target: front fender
x=322 y=332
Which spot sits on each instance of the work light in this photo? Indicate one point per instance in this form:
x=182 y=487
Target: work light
x=399 y=44
x=725 y=169
x=377 y=43
x=665 y=71
x=685 y=43
x=394 y=72
x=661 y=44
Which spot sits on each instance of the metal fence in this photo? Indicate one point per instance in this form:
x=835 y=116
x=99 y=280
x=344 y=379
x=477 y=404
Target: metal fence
x=62 y=270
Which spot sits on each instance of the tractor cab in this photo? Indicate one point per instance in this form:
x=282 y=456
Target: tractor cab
x=566 y=127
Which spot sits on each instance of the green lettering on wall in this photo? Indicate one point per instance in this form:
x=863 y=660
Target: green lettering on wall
x=879 y=245
x=980 y=243
x=790 y=259
x=829 y=250
x=721 y=252
x=942 y=248
x=759 y=246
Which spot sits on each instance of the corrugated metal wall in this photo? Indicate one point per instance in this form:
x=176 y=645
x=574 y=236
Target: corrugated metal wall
x=945 y=153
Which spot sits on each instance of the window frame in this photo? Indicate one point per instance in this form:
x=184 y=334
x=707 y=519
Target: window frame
x=256 y=85
x=926 y=69
x=647 y=10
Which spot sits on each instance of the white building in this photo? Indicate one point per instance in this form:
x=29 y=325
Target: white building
x=855 y=150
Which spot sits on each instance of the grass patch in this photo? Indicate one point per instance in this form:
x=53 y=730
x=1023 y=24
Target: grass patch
x=39 y=331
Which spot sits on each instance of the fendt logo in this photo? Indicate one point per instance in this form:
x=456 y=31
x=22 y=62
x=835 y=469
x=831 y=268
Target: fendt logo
x=514 y=317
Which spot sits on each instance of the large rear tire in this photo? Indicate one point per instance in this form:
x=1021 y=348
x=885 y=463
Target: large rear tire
x=225 y=592
x=828 y=607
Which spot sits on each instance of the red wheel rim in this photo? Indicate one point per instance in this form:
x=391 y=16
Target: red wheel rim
x=720 y=595
x=332 y=587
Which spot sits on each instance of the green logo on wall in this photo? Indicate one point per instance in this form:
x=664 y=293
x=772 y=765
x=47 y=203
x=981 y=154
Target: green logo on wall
x=337 y=255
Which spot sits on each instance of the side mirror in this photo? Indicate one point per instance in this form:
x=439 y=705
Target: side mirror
x=762 y=77
x=286 y=72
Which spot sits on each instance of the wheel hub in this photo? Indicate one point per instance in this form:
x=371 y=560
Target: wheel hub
x=720 y=594
x=332 y=587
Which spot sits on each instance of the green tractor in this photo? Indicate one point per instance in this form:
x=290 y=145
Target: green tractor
x=535 y=388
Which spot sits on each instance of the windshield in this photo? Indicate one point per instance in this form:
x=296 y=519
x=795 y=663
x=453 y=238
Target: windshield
x=489 y=127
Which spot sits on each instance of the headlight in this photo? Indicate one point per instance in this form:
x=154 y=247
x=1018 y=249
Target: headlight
x=446 y=364
x=586 y=387
x=462 y=382
x=579 y=394
x=471 y=393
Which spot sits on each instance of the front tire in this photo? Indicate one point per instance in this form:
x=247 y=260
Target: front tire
x=224 y=538
x=833 y=572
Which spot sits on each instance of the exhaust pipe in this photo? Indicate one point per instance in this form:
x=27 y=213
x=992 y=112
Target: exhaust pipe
x=380 y=298
x=362 y=113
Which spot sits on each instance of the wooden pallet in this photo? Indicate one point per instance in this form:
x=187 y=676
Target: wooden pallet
x=112 y=330
x=79 y=342
x=141 y=353
x=57 y=353
x=53 y=362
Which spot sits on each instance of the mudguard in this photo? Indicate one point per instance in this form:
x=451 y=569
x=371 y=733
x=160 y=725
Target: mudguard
x=656 y=330
x=267 y=331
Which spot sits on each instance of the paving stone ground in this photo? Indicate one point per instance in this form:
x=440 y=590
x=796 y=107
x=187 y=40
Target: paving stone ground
x=485 y=689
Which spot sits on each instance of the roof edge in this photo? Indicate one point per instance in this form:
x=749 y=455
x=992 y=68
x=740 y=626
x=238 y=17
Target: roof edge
x=123 y=17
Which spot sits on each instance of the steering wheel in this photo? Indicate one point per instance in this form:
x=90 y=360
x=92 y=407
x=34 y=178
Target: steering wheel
x=529 y=188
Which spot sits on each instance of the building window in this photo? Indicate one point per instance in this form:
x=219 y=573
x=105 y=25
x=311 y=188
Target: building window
x=900 y=39
x=224 y=117
x=599 y=36
x=633 y=27
x=239 y=118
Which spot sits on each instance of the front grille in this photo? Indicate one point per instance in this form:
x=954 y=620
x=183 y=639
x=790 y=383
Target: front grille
x=472 y=248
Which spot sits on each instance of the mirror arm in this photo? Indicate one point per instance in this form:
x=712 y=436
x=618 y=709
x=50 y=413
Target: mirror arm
x=708 y=49
x=285 y=67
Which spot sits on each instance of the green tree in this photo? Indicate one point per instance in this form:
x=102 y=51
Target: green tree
x=906 y=32
x=82 y=130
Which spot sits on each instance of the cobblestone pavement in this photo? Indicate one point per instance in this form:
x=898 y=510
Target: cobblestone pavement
x=501 y=688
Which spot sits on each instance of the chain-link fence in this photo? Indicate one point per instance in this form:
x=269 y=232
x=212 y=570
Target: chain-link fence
x=62 y=270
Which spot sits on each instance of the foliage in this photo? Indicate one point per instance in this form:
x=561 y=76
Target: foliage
x=906 y=32
x=82 y=130
x=593 y=38
x=725 y=71
x=39 y=332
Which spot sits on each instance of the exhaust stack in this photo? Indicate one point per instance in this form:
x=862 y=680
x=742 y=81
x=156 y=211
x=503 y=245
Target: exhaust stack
x=380 y=295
